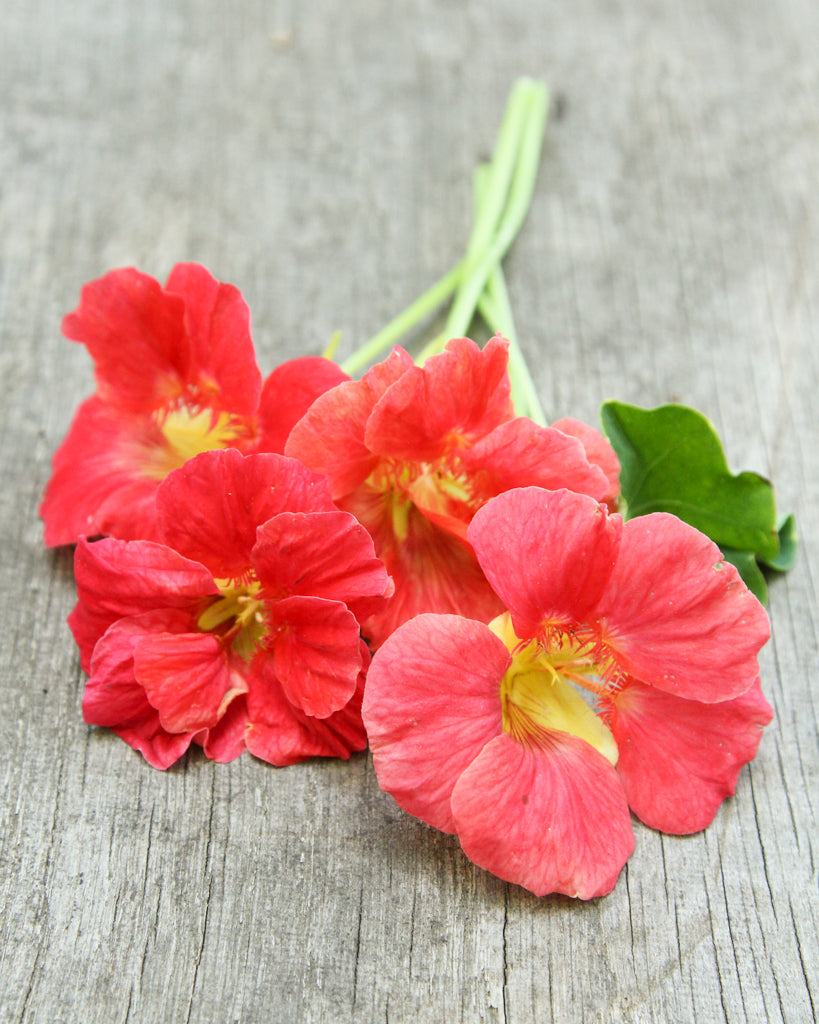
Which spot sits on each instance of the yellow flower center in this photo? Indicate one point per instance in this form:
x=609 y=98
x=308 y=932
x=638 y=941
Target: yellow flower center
x=537 y=694
x=186 y=433
x=434 y=489
x=237 y=616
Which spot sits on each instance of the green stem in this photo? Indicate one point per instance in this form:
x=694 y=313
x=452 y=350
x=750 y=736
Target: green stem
x=423 y=305
x=495 y=308
x=524 y=393
x=496 y=177
x=520 y=197
x=493 y=303
x=503 y=198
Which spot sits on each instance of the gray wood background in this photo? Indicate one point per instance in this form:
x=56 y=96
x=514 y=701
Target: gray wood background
x=318 y=155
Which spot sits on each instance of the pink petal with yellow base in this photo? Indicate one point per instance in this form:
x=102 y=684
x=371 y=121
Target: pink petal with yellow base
x=599 y=453
x=519 y=453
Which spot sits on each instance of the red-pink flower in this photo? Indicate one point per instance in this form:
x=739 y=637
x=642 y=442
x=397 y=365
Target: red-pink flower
x=413 y=452
x=176 y=375
x=483 y=730
x=241 y=629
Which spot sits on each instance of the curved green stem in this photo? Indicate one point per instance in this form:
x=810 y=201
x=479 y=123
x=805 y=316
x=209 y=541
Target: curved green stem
x=503 y=192
x=520 y=197
x=405 y=321
x=495 y=308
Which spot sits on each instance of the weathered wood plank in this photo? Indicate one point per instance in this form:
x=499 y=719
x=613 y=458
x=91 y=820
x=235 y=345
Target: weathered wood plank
x=319 y=157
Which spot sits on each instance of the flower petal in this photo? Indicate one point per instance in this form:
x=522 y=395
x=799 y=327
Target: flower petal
x=321 y=554
x=97 y=485
x=678 y=616
x=281 y=734
x=316 y=653
x=217 y=321
x=598 y=451
x=210 y=508
x=551 y=817
x=118 y=578
x=226 y=740
x=679 y=759
x=115 y=699
x=188 y=678
x=432 y=570
x=456 y=398
x=135 y=333
x=288 y=393
x=519 y=453
x=547 y=554
x=330 y=436
x=431 y=704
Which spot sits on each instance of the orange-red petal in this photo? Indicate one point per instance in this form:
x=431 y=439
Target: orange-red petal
x=222 y=364
x=117 y=579
x=135 y=332
x=115 y=699
x=330 y=437
x=97 y=485
x=287 y=394
x=281 y=734
x=320 y=554
x=187 y=677
x=453 y=400
x=210 y=508
x=316 y=653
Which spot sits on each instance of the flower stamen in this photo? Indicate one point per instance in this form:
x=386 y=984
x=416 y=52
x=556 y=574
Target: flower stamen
x=536 y=695
x=241 y=607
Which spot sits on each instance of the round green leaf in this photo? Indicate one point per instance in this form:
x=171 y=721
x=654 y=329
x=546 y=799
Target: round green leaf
x=672 y=461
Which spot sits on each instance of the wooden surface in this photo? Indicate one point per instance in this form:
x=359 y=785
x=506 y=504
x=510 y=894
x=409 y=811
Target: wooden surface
x=318 y=155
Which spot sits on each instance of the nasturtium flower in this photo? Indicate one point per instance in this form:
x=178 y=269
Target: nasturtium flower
x=623 y=674
x=176 y=375
x=413 y=452
x=240 y=627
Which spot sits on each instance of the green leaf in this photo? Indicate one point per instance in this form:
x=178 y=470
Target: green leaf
x=749 y=570
x=788 y=544
x=672 y=461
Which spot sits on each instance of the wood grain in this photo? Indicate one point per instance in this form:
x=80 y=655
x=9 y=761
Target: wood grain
x=319 y=157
